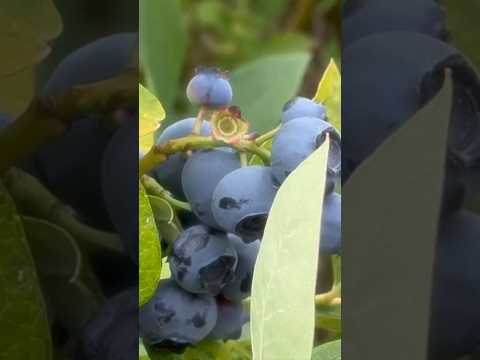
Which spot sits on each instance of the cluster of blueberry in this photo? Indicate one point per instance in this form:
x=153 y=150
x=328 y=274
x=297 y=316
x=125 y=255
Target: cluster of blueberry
x=393 y=62
x=92 y=168
x=212 y=260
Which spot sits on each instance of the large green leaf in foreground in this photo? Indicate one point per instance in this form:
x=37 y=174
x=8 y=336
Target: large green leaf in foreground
x=150 y=252
x=283 y=290
x=24 y=332
x=390 y=226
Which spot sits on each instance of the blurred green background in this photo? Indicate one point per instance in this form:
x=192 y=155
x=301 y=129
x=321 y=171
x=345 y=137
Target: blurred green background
x=274 y=50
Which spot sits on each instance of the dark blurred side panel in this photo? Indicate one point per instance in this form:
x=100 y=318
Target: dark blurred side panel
x=411 y=165
x=68 y=180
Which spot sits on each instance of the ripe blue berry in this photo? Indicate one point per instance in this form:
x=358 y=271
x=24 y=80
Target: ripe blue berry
x=210 y=88
x=201 y=174
x=302 y=107
x=379 y=16
x=109 y=333
x=169 y=173
x=202 y=260
x=99 y=60
x=231 y=317
x=299 y=138
x=5 y=120
x=331 y=230
x=239 y=288
x=175 y=316
x=242 y=199
x=454 y=318
x=119 y=168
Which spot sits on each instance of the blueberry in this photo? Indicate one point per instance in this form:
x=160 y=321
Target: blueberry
x=242 y=199
x=175 y=316
x=302 y=107
x=299 y=138
x=210 y=88
x=202 y=260
x=331 y=230
x=240 y=287
x=99 y=60
x=231 y=318
x=71 y=166
x=455 y=319
x=412 y=65
x=201 y=174
x=5 y=120
x=119 y=184
x=169 y=173
x=379 y=16
x=109 y=334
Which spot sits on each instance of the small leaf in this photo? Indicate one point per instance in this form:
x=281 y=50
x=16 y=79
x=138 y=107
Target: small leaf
x=329 y=93
x=329 y=351
x=282 y=306
x=150 y=252
x=151 y=111
x=24 y=326
x=48 y=241
x=162 y=210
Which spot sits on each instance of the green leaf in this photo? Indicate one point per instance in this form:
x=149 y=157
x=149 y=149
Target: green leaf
x=163 y=43
x=329 y=351
x=23 y=320
x=166 y=222
x=151 y=115
x=282 y=306
x=162 y=210
x=329 y=93
x=26 y=30
x=462 y=17
x=150 y=252
x=48 y=241
x=393 y=207
x=262 y=87
x=271 y=9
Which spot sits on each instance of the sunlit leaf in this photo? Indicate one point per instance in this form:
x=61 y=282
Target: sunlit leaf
x=329 y=351
x=329 y=93
x=150 y=252
x=151 y=111
x=23 y=316
x=283 y=289
x=27 y=27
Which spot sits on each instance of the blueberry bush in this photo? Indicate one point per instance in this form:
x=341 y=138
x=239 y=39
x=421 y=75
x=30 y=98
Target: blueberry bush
x=240 y=205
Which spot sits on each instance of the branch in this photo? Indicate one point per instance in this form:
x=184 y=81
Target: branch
x=33 y=199
x=47 y=118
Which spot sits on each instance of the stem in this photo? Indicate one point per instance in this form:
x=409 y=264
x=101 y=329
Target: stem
x=267 y=136
x=33 y=199
x=152 y=187
x=198 y=121
x=333 y=297
x=243 y=159
x=253 y=148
